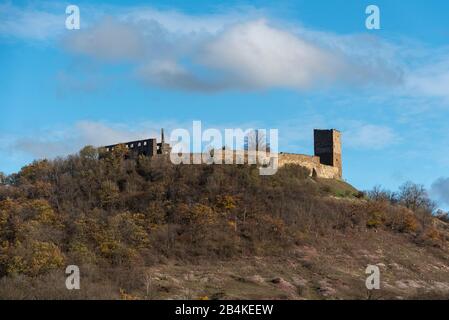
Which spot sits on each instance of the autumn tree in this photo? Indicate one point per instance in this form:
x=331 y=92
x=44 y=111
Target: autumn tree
x=89 y=152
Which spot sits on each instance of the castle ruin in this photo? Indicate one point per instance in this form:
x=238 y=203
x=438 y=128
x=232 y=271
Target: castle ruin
x=325 y=163
x=147 y=147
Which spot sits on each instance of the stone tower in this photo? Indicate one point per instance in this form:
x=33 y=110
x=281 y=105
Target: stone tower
x=328 y=147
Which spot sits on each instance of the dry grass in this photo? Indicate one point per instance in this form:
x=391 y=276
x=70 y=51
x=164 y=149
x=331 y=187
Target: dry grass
x=331 y=268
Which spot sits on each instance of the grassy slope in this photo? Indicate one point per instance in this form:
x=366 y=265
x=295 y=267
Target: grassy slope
x=337 y=187
x=323 y=269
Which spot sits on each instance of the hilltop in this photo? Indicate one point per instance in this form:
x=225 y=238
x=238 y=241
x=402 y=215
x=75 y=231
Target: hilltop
x=146 y=229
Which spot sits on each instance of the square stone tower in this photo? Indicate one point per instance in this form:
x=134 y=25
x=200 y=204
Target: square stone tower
x=327 y=145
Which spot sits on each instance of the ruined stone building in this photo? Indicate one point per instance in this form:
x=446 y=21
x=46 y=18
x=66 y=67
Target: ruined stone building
x=147 y=147
x=325 y=163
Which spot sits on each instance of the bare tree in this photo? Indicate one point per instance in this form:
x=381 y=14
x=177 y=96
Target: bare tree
x=256 y=140
x=414 y=196
x=380 y=194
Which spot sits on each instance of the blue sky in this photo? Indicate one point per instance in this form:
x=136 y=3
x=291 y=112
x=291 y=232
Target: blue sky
x=293 y=65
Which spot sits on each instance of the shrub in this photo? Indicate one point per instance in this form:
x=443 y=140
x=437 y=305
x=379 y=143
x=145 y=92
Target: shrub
x=45 y=256
x=375 y=219
x=431 y=236
x=402 y=220
x=33 y=259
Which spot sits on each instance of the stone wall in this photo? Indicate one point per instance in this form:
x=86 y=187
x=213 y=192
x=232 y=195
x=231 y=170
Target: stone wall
x=329 y=172
x=310 y=162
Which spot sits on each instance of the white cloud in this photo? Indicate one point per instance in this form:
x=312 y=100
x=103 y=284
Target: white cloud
x=260 y=56
x=179 y=23
x=231 y=51
x=256 y=55
x=169 y=74
x=431 y=79
x=240 y=49
x=108 y=40
x=30 y=23
x=368 y=136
